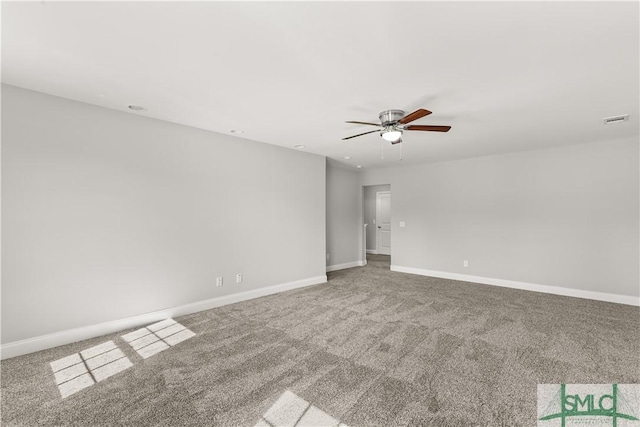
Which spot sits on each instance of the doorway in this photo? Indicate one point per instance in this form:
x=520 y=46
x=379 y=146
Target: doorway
x=377 y=240
x=383 y=222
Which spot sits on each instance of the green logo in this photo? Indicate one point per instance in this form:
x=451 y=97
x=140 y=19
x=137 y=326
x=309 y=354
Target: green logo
x=565 y=405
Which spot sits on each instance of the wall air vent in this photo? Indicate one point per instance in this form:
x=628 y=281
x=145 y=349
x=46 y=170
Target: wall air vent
x=616 y=119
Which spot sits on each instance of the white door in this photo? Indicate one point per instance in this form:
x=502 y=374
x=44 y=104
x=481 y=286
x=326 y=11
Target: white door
x=383 y=222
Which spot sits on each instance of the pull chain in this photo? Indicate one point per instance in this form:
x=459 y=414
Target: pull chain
x=381 y=149
x=401 y=144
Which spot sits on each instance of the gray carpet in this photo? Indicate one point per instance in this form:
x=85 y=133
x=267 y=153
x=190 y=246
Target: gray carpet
x=369 y=348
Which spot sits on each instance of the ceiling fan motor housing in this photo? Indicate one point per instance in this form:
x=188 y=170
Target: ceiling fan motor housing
x=390 y=117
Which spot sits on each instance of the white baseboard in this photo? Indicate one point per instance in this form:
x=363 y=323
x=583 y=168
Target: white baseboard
x=69 y=336
x=372 y=251
x=352 y=264
x=569 y=292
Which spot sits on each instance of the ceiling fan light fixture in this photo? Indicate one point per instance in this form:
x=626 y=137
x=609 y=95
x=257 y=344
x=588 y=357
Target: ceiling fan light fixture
x=394 y=122
x=391 y=135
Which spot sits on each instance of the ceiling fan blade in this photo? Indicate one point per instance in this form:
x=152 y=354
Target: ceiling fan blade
x=364 y=123
x=360 y=134
x=432 y=128
x=414 y=116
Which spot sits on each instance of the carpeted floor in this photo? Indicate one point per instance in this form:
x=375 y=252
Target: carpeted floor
x=369 y=348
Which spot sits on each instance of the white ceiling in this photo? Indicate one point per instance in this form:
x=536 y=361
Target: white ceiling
x=508 y=76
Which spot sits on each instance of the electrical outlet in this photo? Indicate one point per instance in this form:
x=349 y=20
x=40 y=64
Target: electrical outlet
x=327 y=257
x=465 y=263
x=219 y=281
x=238 y=278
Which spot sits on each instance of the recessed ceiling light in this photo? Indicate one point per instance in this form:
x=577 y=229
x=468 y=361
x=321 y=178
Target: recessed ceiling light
x=237 y=131
x=359 y=166
x=347 y=157
x=136 y=108
x=299 y=146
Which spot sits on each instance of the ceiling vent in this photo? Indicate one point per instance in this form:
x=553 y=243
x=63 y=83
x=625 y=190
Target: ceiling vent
x=616 y=119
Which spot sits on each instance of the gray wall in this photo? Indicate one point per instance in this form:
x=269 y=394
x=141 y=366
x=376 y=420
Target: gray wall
x=107 y=214
x=370 y=212
x=563 y=217
x=344 y=215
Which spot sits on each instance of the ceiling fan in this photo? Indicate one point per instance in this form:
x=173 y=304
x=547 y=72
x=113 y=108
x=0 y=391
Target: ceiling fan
x=394 y=122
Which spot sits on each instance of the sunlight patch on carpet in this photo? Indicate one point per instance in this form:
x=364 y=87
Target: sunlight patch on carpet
x=292 y=410
x=157 y=337
x=81 y=370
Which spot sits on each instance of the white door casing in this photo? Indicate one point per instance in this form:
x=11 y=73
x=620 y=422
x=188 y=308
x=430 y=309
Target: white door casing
x=383 y=222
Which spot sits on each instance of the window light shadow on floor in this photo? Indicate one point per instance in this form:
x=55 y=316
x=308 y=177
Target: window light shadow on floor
x=292 y=410
x=157 y=337
x=81 y=370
